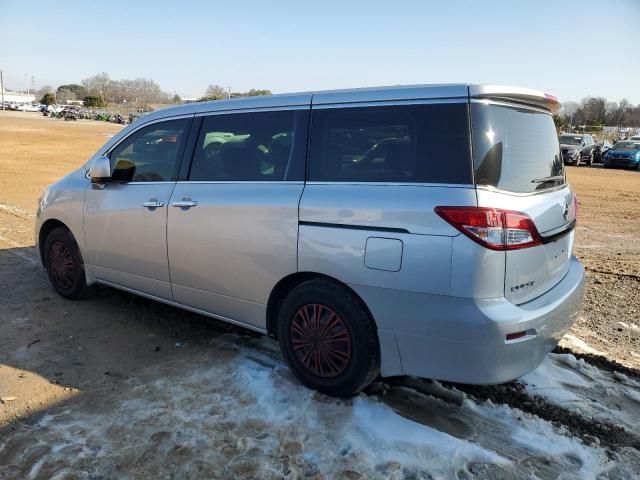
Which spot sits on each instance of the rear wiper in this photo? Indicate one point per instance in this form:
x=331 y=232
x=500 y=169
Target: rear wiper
x=553 y=178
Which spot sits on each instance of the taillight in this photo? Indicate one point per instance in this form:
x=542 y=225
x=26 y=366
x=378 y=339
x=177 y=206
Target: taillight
x=573 y=210
x=493 y=228
x=551 y=98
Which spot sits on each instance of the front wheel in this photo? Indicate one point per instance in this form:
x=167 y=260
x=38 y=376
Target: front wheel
x=328 y=338
x=64 y=264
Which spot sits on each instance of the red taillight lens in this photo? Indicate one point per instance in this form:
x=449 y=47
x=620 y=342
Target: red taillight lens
x=551 y=98
x=493 y=228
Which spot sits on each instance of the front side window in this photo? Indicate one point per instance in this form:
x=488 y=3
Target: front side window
x=403 y=143
x=252 y=146
x=150 y=154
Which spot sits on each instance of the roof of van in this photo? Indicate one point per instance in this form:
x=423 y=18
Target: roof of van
x=370 y=94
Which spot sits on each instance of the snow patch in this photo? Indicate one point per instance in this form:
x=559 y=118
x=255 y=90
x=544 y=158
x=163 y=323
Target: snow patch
x=580 y=345
x=542 y=437
x=578 y=386
x=367 y=428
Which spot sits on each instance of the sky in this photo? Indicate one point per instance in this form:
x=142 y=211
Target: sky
x=569 y=48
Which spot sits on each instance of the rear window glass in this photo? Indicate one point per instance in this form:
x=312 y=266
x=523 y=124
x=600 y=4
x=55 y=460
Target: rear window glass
x=407 y=143
x=515 y=149
x=569 y=140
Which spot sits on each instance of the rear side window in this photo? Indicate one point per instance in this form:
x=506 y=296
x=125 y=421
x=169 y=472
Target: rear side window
x=404 y=143
x=252 y=146
x=515 y=148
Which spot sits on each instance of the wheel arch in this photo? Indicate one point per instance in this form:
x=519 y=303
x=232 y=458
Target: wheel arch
x=288 y=283
x=47 y=227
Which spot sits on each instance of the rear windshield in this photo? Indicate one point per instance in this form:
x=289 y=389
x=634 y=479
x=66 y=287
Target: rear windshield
x=515 y=148
x=627 y=146
x=570 y=140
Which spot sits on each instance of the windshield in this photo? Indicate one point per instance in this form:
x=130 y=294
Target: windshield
x=627 y=146
x=515 y=148
x=570 y=140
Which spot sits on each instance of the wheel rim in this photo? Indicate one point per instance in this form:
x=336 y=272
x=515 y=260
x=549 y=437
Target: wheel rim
x=61 y=265
x=321 y=340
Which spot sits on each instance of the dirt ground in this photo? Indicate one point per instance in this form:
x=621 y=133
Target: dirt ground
x=55 y=354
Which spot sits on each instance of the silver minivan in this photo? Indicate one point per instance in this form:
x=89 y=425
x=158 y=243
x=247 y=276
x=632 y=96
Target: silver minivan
x=412 y=230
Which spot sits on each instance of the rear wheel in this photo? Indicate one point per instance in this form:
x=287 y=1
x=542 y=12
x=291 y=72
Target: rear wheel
x=328 y=338
x=64 y=264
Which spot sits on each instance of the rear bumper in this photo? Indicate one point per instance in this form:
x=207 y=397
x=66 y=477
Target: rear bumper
x=621 y=162
x=571 y=159
x=464 y=340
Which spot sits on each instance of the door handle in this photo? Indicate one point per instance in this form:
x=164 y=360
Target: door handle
x=153 y=203
x=184 y=203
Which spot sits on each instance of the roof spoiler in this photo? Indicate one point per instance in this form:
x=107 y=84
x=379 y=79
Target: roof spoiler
x=516 y=94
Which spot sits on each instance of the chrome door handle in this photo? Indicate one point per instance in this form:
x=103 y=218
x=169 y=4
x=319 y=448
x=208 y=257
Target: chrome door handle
x=153 y=204
x=184 y=203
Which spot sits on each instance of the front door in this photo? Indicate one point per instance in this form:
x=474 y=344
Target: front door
x=125 y=220
x=233 y=225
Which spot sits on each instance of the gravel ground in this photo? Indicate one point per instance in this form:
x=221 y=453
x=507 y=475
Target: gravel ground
x=608 y=244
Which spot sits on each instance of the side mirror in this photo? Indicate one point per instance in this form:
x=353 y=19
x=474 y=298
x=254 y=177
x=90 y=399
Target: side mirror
x=100 y=171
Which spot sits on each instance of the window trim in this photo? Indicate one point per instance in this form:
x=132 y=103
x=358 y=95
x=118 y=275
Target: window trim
x=181 y=151
x=391 y=103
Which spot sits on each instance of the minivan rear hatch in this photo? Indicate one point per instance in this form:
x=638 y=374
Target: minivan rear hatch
x=518 y=168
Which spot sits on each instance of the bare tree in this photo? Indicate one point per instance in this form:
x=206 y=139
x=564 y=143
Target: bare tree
x=141 y=90
x=42 y=90
x=570 y=111
x=610 y=112
x=593 y=110
x=98 y=85
x=216 y=91
x=65 y=95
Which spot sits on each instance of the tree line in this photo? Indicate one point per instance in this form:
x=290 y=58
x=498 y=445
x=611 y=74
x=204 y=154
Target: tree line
x=100 y=90
x=216 y=92
x=597 y=112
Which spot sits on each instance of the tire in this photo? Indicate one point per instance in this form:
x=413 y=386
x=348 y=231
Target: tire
x=349 y=360
x=64 y=265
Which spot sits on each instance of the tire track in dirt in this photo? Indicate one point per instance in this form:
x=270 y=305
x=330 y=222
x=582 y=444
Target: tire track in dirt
x=17 y=211
x=604 y=272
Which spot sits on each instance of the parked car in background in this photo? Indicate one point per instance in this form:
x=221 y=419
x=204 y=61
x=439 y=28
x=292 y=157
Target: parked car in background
x=635 y=138
x=601 y=147
x=576 y=148
x=330 y=221
x=623 y=154
x=30 y=107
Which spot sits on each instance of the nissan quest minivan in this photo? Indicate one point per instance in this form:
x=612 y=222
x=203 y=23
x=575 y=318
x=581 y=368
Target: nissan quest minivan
x=411 y=230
